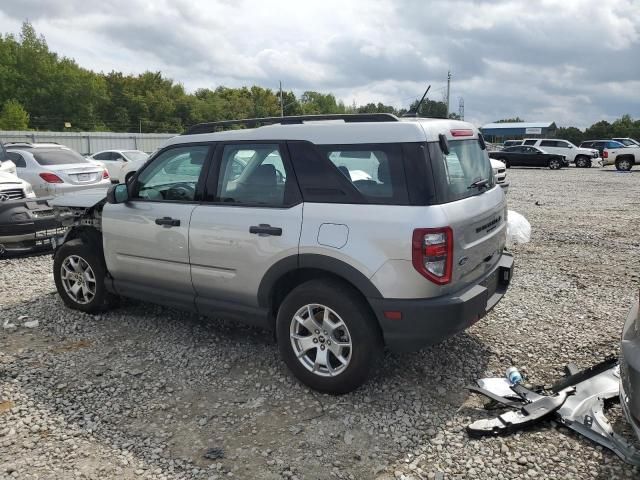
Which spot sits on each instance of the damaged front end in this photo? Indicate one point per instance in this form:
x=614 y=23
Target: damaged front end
x=78 y=213
x=577 y=401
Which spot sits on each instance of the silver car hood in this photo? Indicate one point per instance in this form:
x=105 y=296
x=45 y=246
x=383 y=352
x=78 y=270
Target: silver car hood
x=81 y=199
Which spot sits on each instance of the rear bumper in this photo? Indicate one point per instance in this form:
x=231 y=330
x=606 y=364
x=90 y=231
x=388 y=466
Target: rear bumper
x=62 y=188
x=630 y=369
x=27 y=225
x=428 y=321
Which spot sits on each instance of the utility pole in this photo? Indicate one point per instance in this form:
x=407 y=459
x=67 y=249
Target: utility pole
x=461 y=108
x=448 y=91
x=281 y=101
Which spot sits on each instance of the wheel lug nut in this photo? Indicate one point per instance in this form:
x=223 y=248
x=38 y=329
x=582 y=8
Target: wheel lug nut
x=315 y=340
x=321 y=347
x=317 y=332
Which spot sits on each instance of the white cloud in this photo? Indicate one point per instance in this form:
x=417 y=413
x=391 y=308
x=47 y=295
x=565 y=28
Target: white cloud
x=573 y=62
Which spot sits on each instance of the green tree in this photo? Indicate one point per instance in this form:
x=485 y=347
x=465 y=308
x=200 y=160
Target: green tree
x=573 y=134
x=13 y=116
x=430 y=108
x=510 y=120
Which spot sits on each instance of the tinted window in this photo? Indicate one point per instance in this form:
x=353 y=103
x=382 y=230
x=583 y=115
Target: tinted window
x=57 y=157
x=466 y=163
x=513 y=149
x=548 y=143
x=253 y=174
x=529 y=142
x=102 y=156
x=16 y=158
x=375 y=171
x=614 y=145
x=587 y=144
x=172 y=175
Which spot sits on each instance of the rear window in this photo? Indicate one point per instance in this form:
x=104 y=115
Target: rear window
x=529 y=142
x=57 y=157
x=135 y=155
x=465 y=164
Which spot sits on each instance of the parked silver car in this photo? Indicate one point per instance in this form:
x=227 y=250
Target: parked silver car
x=54 y=169
x=342 y=237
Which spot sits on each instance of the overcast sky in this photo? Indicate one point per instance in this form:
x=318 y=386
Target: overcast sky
x=569 y=61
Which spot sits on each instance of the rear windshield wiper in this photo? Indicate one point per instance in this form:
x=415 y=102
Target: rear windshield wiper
x=479 y=183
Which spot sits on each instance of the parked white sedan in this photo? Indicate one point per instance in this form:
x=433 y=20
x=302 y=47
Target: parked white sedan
x=115 y=160
x=55 y=169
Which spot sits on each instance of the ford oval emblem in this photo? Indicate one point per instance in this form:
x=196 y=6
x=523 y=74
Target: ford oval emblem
x=462 y=261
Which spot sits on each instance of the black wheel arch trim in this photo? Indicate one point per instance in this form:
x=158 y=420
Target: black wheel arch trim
x=319 y=262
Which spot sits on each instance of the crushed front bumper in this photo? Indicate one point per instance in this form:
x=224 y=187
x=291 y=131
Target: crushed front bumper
x=27 y=225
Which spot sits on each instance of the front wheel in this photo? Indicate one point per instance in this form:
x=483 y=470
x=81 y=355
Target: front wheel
x=555 y=164
x=582 y=162
x=79 y=272
x=328 y=336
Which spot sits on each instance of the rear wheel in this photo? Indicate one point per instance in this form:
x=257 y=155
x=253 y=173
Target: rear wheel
x=624 y=164
x=328 y=336
x=555 y=164
x=79 y=272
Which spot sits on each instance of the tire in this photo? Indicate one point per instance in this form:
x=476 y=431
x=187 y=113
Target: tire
x=624 y=164
x=299 y=346
x=582 y=162
x=73 y=258
x=555 y=164
x=506 y=163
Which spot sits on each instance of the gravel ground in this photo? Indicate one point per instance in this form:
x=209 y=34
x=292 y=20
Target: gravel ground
x=147 y=392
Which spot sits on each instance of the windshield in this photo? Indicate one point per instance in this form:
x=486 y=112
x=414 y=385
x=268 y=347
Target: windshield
x=626 y=142
x=57 y=156
x=465 y=165
x=134 y=155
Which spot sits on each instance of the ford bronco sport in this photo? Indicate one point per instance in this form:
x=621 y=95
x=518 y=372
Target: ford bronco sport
x=344 y=234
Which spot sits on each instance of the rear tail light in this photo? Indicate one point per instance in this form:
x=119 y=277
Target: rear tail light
x=105 y=174
x=432 y=253
x=605 y=154
x=51 y=178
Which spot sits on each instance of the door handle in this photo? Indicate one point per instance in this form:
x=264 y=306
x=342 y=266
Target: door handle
x=264 y=230
x=168 y=222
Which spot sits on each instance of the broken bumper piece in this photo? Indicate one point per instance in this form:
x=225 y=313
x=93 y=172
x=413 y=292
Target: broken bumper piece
x=576 y=402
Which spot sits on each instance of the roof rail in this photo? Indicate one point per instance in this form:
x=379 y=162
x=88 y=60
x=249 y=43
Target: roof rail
x=210 y=127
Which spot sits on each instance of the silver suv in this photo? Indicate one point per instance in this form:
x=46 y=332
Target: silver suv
x=343 y=234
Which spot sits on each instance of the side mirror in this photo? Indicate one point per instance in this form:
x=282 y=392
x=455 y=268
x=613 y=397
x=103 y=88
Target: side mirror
x=118 y=193
x=570 y=146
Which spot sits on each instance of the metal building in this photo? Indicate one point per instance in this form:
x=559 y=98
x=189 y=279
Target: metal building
x=499 y=132
x=88 y=143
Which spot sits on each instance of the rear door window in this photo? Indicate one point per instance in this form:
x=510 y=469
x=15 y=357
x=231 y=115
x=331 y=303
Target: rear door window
x=376 y=171
x=529 y=142
x=17 y=159
x=548 y=143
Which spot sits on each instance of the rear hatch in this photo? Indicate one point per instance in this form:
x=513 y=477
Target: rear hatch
x=70 y=166
x=475 y=208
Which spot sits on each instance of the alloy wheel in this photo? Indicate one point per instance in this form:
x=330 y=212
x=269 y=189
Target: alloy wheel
x=78 y=279
x=321 y=340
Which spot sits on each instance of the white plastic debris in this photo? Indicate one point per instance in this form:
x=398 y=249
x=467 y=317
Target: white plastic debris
x=518 y=228
x=31 y=324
